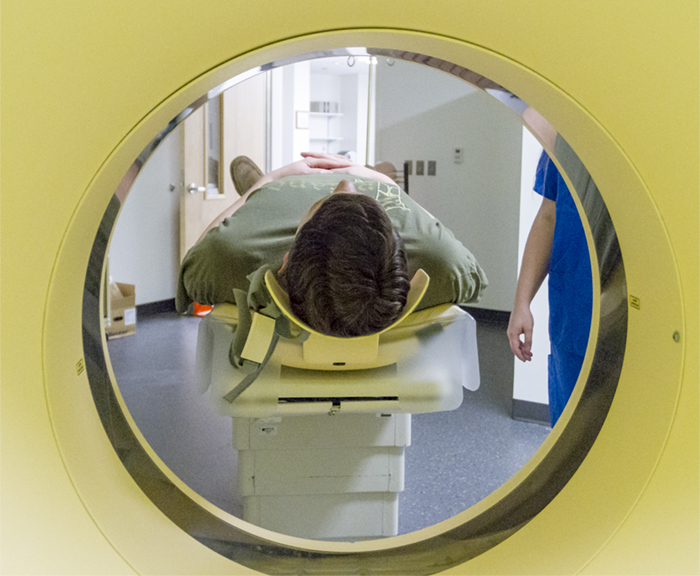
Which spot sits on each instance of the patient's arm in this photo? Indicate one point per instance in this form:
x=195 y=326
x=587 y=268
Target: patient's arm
x=350 y=168
x=361 y=171
x=364 y=172
x=311 y=164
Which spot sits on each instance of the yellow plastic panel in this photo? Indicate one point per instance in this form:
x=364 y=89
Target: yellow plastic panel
x=328 y=351
x=262 y=331
x=318 y=350
x=86 y=85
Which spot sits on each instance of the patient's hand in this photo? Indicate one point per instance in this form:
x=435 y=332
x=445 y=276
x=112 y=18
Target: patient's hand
x=349 y=167
x=315 y=162
x=309 y=165
x=344 y=160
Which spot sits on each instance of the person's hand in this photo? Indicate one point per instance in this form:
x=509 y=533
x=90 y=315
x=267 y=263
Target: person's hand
x=308 y=165
x=348 y=167
x=521 y=323
x=332 y=161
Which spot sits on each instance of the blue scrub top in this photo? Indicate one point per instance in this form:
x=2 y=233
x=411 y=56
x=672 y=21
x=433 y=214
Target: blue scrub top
x=570 y=287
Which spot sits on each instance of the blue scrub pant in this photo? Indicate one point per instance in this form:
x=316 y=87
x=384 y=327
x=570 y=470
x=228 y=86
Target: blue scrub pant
x=563 y=368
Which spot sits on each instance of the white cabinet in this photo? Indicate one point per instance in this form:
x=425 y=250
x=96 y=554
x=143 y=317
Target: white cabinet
x=325 y=131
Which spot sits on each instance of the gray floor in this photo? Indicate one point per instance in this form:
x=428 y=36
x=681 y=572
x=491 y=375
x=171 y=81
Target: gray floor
x=456 y=458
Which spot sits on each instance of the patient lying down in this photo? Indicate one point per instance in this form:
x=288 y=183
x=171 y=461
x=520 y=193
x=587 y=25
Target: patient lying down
x=343 y=239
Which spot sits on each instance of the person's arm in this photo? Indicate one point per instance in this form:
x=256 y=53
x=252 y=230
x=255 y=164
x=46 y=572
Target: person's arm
x=350 y=168
x=364 y=172
x=309 y=165
x=537 y=123
x=361 y=171
x=534 y=269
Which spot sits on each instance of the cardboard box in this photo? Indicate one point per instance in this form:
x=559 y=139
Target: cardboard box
x=122 y=311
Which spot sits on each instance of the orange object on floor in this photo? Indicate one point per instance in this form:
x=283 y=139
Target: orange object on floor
x=201 y=309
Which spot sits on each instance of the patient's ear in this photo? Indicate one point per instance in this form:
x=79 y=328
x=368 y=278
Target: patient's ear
x=283 y=268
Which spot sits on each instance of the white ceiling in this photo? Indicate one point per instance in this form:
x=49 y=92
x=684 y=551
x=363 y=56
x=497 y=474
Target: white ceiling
x=338 y=65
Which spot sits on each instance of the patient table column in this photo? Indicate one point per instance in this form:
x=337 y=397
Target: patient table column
x=323 y=476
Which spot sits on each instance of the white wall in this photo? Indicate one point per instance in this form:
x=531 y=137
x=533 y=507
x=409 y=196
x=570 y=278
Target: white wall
x=276 y=141
x=325 y=88
x=289 y=94
x=360 y=110
x=301 y=104
x=349 y=120
x=530 y=378
x=370 y=150
x=424 y=114
x=144 y=250
x=406 y=90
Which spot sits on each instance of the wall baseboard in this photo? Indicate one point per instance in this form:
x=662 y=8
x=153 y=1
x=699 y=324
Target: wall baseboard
x=153 y=308
x=534 y=412
x=486 y=316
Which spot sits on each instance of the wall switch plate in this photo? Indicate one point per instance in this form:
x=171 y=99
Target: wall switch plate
x=459 y=155
x=420 y=167
x=410 y=166
x=431 y=167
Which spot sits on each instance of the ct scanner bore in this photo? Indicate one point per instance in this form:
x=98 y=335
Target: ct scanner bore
x=74 y=424
x=421 y=505
x=480 y=532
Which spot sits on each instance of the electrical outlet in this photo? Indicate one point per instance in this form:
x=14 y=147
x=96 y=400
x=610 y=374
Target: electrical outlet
x=459 y=155
x=432 y=164
x=420 y=167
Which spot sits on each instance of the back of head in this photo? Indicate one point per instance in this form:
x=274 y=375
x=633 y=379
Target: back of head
x=347 y=273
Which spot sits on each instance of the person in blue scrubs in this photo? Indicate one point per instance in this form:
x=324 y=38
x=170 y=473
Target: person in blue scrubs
x=556 y=246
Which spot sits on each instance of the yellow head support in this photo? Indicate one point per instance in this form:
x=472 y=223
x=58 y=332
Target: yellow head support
x=322 y=350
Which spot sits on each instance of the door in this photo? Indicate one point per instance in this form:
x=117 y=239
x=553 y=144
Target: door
x=230 y=125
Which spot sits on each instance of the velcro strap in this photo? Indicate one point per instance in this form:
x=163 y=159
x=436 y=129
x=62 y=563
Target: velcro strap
x=262 y=330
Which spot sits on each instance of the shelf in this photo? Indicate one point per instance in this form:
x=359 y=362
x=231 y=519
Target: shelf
x=331 y=139
x=327 y=114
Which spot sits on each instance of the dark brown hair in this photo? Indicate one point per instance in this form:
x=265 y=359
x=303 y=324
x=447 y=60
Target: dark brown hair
x=347 y=273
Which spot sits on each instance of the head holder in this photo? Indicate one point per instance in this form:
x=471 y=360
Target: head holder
x=321 y=350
